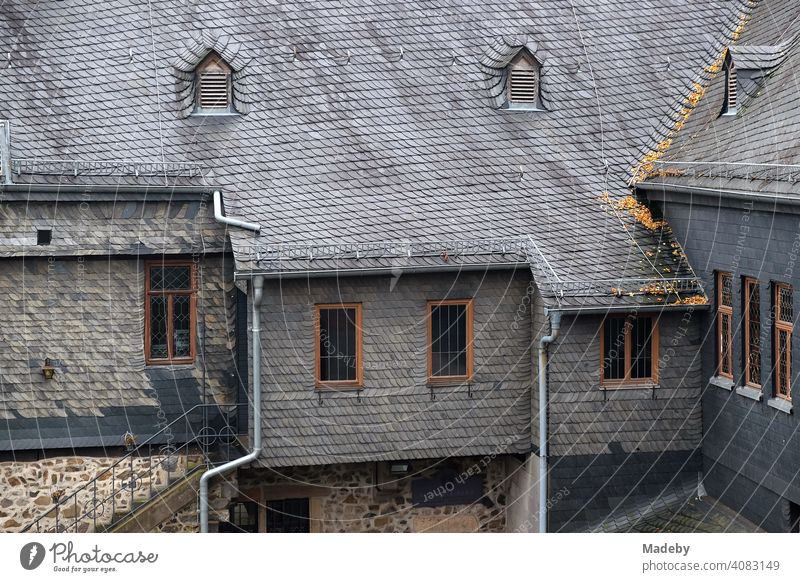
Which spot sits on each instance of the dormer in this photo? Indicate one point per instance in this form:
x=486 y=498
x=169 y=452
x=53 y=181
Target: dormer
x=746 y=69
x=513 y=72
x=523 y=82
x=214 y=89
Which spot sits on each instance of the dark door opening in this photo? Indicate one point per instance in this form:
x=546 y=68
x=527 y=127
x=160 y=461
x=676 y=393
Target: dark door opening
x=288 y=516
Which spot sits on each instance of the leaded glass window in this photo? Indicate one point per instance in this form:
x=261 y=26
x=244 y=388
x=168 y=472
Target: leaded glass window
x=169 y=313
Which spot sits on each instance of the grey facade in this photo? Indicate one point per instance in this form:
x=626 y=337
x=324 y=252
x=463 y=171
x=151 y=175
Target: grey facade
x=374 y=147
x=726 y=189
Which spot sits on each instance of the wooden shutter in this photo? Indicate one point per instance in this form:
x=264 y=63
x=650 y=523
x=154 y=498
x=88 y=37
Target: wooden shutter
x=730 y=104
x=214 y=93
x=524 y=84
x=213 y=77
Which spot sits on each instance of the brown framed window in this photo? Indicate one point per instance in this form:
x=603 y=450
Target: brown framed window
x=629 y=350
x=339 y=359
x=170 y=312
x=725 y=325
x=450 y=340
x=752 y=333
x=784 y=326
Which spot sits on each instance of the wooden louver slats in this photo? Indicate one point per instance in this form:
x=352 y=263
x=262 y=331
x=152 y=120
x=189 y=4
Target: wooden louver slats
x=524 y=86
x=731 y=105
x=214 y=90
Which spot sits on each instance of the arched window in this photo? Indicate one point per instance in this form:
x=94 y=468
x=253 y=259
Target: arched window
x=523 y=82
x=213 y=82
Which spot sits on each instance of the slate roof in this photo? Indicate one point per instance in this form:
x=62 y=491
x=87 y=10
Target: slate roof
x=756 y=150
x=366 y=122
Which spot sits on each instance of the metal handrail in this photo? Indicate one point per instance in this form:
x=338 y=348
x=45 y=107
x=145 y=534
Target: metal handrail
x=167 y=455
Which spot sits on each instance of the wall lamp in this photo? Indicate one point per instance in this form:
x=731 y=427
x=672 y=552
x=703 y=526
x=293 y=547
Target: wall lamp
x=48 y=370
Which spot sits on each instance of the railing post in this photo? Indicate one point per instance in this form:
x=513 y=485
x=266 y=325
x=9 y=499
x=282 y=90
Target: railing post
x=113 y=491
x=94 y=506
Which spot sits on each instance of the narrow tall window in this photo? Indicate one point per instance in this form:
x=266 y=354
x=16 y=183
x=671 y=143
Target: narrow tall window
x=784 y=325
x=449 y=340
x=338 y=345
x=724 y=325
x=731 y=97
x=523 y=82
x=169 y=312
x=213 y=81
x=629 y=350
x=752 y=333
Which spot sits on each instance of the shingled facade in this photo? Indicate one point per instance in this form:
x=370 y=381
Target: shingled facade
x=728 y=187
x=395 y=177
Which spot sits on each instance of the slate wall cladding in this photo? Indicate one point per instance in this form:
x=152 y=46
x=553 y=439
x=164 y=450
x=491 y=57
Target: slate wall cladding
x=396 y=415
x=587 y=420
x=757 y=503
x=610 y=449
x=595 y=488
x=88 y=314
x=743 y=435
x=93 y=227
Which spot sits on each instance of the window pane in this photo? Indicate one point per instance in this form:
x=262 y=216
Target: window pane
x=614 y=349
x=641 y=348
x=158 y=327
x=785 y=307
x=174 y=277
x=725 y=282
x=754 y=332
x=338 y=344
x=181 y=326
x=725 y=343
x=288 y=516
x=449 y=340
x=781 y=367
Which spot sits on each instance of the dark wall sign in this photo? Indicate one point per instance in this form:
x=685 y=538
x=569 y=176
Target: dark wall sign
x=447 y=488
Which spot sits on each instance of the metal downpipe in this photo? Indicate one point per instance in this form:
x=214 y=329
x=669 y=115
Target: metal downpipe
x=257 y=286
x=219 y=217
x=555 y=325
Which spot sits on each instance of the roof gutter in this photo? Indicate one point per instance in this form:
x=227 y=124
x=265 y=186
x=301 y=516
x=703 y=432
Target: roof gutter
x=98 y=193
x=555 y=326
x=257 y=286
x=313 y=274
x=719 y=193
x=220 y=217
x=625 y=308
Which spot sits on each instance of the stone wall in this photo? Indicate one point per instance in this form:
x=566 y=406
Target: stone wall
x=26 y=490
x=362 y=497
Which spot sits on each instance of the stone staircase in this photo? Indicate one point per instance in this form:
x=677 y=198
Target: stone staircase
x=153 y=482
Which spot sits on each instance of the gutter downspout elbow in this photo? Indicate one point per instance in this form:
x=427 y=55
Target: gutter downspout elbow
x=555 y=326
x=219 y=217
x=257 y=285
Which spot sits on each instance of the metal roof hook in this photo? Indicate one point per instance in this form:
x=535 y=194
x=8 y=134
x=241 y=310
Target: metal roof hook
x=402 y=54
x=8 y=59
x=130 y=54
x=294 y=53
x=455 y=58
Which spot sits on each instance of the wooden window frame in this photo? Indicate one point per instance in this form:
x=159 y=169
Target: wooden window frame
x=191 y=292
x=788 y=327
x=470 y=312
x=628 y=381
x=747 y=281
x=320 y=384
x=724 y=311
